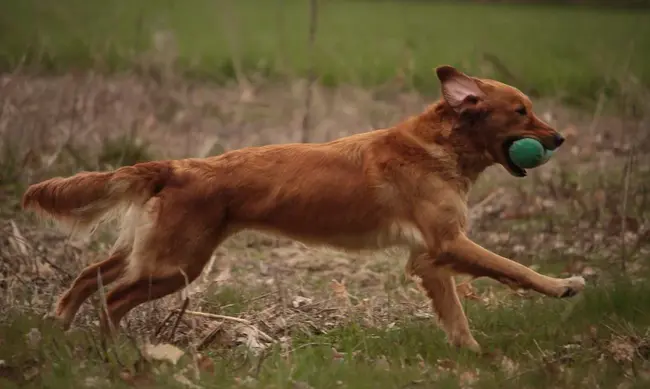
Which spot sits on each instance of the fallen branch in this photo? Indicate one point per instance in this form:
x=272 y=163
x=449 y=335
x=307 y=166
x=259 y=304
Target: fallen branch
x=163 y=322
x=178 y=319
x=216 y=316
x=264 y=335
x=209 y=338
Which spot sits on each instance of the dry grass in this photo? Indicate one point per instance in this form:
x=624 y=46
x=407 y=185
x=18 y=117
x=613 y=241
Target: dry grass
x=312 y=315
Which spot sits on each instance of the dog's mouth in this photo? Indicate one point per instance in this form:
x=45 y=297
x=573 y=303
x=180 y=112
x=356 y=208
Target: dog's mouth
x=510 y=165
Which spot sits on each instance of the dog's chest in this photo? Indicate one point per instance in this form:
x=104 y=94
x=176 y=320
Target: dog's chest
x=392 y=234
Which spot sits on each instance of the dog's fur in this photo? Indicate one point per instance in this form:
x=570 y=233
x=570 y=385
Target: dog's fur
x=401 y=186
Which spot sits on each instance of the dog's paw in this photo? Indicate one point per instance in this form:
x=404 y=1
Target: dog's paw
x=53 y=320
x=60 y=315
x=466 y=342
x=572 y=286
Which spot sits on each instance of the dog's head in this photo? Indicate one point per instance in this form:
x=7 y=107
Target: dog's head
x=499 y=114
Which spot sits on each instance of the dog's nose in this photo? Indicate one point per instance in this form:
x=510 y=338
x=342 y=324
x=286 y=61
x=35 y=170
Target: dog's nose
x=558 y=139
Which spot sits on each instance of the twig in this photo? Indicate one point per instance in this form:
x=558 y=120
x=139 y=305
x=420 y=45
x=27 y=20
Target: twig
x=216 y=316
x=557 y=359
x=104 y=308
x=178 y=319
x=162 y=323
x=258 y=365
x=16 y=236
x=304 y=345
x=209 y=338
x=57 y=268
x=597 y=112
x=230 y=23
x=195 y=361
x=626 y=190
x=264 y=335
x=313 y=19
x=258 y=297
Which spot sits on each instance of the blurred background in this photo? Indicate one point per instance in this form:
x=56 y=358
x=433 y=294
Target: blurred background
x=88 y=84
x=572 y=49
x=580 y=54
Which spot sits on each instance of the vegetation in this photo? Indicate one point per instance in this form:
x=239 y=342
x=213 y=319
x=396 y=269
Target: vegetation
x=598 y=340
x=573 y=52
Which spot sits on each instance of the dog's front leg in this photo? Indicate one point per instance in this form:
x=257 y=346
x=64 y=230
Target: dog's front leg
x=465 y=256
x=440 y=287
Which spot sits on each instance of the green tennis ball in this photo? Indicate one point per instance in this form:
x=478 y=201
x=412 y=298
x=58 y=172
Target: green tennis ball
x=528 y=153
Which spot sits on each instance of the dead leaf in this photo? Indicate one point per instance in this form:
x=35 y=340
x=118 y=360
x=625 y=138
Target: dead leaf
x=616 y=224
x=337 y=356
x=223 y=276
x=163 y=352
x=205 y=363
x=91 y=382
x=181 y=379
x=300 y=385
x=588 y=271
x=30 y=372
x=299 y=301
x=508 y=366
x=247 y=381
x=252 y=338
x=17 y=240
x=468 y=378
x=621 y=349
x=446 y=365
x=340 y=291
x=136 y=380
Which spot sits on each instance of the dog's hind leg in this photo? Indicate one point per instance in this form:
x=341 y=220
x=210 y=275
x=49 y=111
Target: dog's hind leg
x=86 y=284
x=168 y=254
x=440 y=287
x=128 y=294
x=110 y=270
x=163 y=279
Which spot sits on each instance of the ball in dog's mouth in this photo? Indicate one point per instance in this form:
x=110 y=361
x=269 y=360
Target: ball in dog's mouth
x=511 y=166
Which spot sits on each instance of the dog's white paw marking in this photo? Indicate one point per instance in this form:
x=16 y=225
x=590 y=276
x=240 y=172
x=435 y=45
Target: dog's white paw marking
x=573 y=286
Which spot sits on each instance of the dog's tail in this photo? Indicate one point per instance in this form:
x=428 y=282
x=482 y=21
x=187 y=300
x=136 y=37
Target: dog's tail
x=86 y=199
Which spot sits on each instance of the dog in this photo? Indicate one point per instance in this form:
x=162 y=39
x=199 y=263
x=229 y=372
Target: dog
x=404 y=186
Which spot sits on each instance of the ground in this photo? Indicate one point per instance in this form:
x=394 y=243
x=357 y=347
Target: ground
x=272 y=313
x=320 y=317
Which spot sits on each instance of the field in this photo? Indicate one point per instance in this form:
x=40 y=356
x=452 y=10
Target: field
x=574 y=52
x=95 y=85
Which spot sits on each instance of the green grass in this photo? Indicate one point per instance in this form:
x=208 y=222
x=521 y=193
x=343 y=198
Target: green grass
x=554 y=50
x=550 y=343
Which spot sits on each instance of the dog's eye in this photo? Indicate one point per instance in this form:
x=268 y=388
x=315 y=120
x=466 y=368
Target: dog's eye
x=522 y=111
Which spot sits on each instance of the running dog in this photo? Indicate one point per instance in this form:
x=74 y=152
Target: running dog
x=401 y=186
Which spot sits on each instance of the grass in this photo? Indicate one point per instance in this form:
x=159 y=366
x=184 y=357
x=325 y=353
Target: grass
x=533 y=343
x=572 y=52
x=563 y=219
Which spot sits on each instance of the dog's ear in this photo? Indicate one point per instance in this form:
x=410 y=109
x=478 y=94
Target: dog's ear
x=457 y=87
